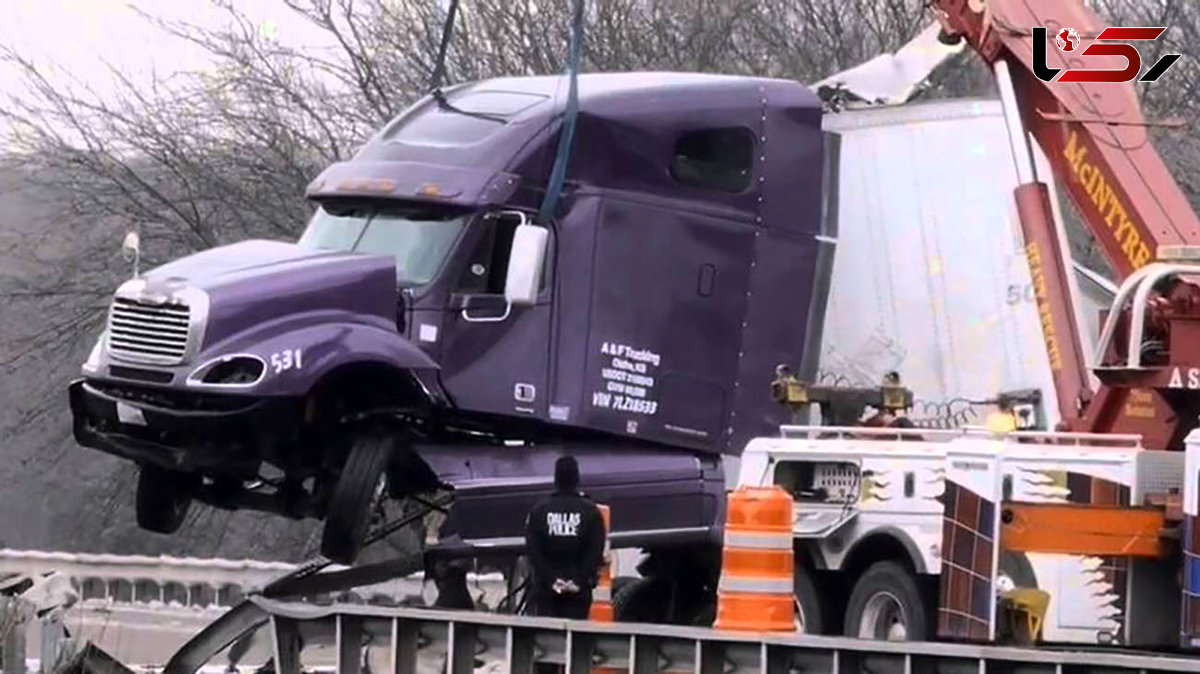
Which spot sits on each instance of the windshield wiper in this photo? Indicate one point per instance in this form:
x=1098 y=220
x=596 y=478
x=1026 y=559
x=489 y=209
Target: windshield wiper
x=363 y=232
x=443 y=104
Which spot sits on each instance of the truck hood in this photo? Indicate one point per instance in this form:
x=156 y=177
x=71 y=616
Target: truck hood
x=225 y=264
x=254 y=284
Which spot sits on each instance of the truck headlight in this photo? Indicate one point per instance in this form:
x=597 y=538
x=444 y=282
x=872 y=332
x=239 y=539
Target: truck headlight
x=237 y=370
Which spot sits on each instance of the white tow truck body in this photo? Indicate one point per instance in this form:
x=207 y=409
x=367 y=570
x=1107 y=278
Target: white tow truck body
x=940 y=495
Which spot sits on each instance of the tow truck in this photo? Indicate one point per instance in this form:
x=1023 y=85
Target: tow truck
x=1084 y=535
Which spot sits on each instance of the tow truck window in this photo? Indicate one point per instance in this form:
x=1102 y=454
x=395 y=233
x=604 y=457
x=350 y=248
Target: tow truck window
x=418 y=240
x=715 y=159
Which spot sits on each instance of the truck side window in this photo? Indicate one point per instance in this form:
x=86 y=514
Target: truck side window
x=487 y=267
x=715 y=159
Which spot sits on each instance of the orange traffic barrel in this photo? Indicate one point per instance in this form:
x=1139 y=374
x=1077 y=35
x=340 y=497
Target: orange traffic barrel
x=602 y=609
x=756 y=591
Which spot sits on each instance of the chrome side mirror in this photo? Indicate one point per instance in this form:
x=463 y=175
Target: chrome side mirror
x=131 y=249
x=526 y=263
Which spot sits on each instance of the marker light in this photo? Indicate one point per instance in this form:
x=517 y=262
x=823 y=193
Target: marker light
x=367 y=185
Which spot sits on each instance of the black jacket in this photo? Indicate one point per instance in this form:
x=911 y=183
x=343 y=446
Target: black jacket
x=564 y=537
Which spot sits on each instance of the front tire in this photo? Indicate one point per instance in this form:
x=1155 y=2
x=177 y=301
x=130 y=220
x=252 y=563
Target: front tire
x=886 y=605
x=360 y=485
x=164 y=498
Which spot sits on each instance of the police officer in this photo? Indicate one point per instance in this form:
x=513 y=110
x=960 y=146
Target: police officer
x=564 y=536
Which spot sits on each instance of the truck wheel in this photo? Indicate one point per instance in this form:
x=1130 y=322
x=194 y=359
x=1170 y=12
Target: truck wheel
x=164 y=498
x=1016 y=568
x=706 y=616
x=620 y=582
x=643 y=600
x=886 y=605
x=359 y=487
x=810 y=614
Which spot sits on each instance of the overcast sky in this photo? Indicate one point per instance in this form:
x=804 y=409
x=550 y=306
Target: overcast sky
x=80 y=35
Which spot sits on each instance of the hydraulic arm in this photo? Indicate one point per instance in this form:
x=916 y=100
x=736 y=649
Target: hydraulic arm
x=1097 y=142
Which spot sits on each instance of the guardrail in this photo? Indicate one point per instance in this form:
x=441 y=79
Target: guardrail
x=406 y=641
x=343 y=637
x=141 y=609
x=130 y=579
x=195 y=582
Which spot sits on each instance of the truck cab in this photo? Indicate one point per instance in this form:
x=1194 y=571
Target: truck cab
x=428 y=332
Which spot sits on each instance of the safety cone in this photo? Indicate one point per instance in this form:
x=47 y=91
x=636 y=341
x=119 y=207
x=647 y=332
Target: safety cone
x=756 y=591
x=602 y=609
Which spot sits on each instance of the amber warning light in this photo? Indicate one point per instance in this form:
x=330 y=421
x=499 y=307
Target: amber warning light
x=366 y=185
x=1069 y=43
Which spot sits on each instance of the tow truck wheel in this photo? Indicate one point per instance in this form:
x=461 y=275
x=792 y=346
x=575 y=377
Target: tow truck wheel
x=164 y=498
x=361 y=485
x=810 y=614
x=886 y=605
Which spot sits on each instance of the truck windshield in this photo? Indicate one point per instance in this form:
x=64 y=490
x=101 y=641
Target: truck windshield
x=418 y=240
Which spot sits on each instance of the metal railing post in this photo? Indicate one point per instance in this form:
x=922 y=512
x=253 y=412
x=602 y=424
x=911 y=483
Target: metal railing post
x=12 y=636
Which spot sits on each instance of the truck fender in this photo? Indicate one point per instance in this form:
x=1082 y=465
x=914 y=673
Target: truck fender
x=869 y=547
x=296 y=360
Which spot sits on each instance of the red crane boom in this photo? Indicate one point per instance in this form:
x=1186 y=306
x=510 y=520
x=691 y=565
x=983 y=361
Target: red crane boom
x=1097 y=142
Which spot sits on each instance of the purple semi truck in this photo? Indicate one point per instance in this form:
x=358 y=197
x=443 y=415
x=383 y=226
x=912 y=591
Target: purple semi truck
x=429 y=334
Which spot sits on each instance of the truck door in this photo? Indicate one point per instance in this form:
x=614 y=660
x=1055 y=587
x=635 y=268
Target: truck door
x=494 y=357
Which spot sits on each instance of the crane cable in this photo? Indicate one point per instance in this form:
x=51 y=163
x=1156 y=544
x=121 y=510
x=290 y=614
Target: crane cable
x=558 y=174
x=439 y=67
x=571 y=112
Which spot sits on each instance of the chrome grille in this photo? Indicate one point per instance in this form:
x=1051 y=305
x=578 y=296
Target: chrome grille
x=149 y=332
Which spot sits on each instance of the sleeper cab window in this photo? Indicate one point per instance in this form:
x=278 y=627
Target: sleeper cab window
x=715 y=159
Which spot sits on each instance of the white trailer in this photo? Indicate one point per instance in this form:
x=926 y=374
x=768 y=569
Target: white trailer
x=924 y=278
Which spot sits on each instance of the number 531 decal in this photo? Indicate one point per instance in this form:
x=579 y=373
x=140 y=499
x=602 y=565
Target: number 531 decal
x=286 y=360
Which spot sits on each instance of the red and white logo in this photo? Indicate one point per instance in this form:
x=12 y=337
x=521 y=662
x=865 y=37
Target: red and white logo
x=1105 y=43
x=1067 y=39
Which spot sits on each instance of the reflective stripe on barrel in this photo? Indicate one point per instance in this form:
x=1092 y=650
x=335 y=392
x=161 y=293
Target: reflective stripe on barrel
x=756 y=591
x=755 y=585
x=748 y=539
